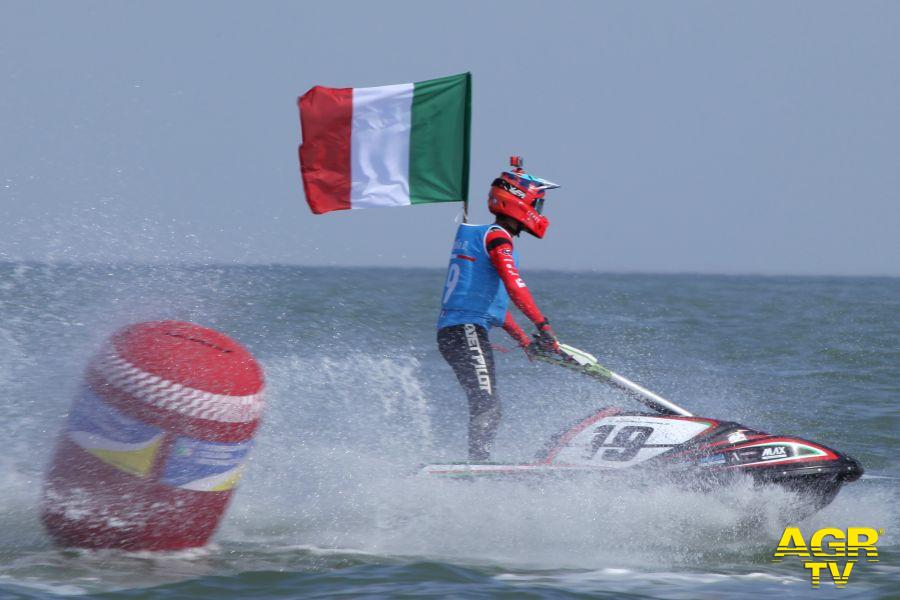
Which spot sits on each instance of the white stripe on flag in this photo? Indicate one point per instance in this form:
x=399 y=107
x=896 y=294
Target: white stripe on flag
x=379 y=146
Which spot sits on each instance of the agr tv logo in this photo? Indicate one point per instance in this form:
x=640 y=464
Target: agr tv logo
x=828 y=546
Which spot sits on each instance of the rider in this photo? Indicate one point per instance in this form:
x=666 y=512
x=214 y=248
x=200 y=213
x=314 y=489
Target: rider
x=482 y=277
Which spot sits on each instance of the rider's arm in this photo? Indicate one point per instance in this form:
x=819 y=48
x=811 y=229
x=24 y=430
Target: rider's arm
x=498 y=244
x=514 y=331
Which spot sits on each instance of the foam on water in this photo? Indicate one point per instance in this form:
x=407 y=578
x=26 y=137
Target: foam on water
x=351 y=484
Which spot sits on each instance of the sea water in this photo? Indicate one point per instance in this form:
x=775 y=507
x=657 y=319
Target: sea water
x=358 y=396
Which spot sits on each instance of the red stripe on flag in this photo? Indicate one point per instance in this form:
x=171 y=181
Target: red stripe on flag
x=464 y=257
x=326 y=118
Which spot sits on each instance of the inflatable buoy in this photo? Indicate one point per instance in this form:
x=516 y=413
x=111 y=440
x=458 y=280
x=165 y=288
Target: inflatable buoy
x=156 y=440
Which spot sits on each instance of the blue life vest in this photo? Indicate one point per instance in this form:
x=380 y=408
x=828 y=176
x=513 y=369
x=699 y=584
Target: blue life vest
x=473 y=291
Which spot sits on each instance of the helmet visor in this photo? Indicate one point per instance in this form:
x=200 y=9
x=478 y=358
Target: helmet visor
x=538 y=206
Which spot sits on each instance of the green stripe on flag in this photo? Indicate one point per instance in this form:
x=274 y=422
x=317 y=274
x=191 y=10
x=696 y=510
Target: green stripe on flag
x=439 y=140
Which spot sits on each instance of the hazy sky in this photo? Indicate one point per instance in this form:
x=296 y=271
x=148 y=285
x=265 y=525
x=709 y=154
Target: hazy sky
x=688 y=136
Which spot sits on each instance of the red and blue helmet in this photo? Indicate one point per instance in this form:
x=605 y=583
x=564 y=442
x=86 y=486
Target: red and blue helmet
x=520 y=196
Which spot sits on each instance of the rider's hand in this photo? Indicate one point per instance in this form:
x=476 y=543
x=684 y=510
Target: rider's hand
x=545 y=340
x=530 y=349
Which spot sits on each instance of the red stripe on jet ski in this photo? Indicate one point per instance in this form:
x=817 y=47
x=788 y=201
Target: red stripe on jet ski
x=564 y=440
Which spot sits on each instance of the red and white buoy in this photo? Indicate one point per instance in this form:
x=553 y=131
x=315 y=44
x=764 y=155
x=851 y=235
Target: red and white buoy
x=156 y=440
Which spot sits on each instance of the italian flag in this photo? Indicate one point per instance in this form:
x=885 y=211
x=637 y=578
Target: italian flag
x=393 y=145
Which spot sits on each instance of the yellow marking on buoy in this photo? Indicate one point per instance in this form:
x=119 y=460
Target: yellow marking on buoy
x=136 y=462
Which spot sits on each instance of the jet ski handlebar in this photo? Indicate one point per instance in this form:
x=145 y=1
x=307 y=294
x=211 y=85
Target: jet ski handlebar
x=583 y=362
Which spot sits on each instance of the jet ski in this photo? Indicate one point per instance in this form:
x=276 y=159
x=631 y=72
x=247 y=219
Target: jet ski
x=671 y=441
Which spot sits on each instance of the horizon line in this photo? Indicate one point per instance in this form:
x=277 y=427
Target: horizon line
x=647 y=272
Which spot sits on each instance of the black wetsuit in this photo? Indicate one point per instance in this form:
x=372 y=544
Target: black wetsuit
x=467 y=349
